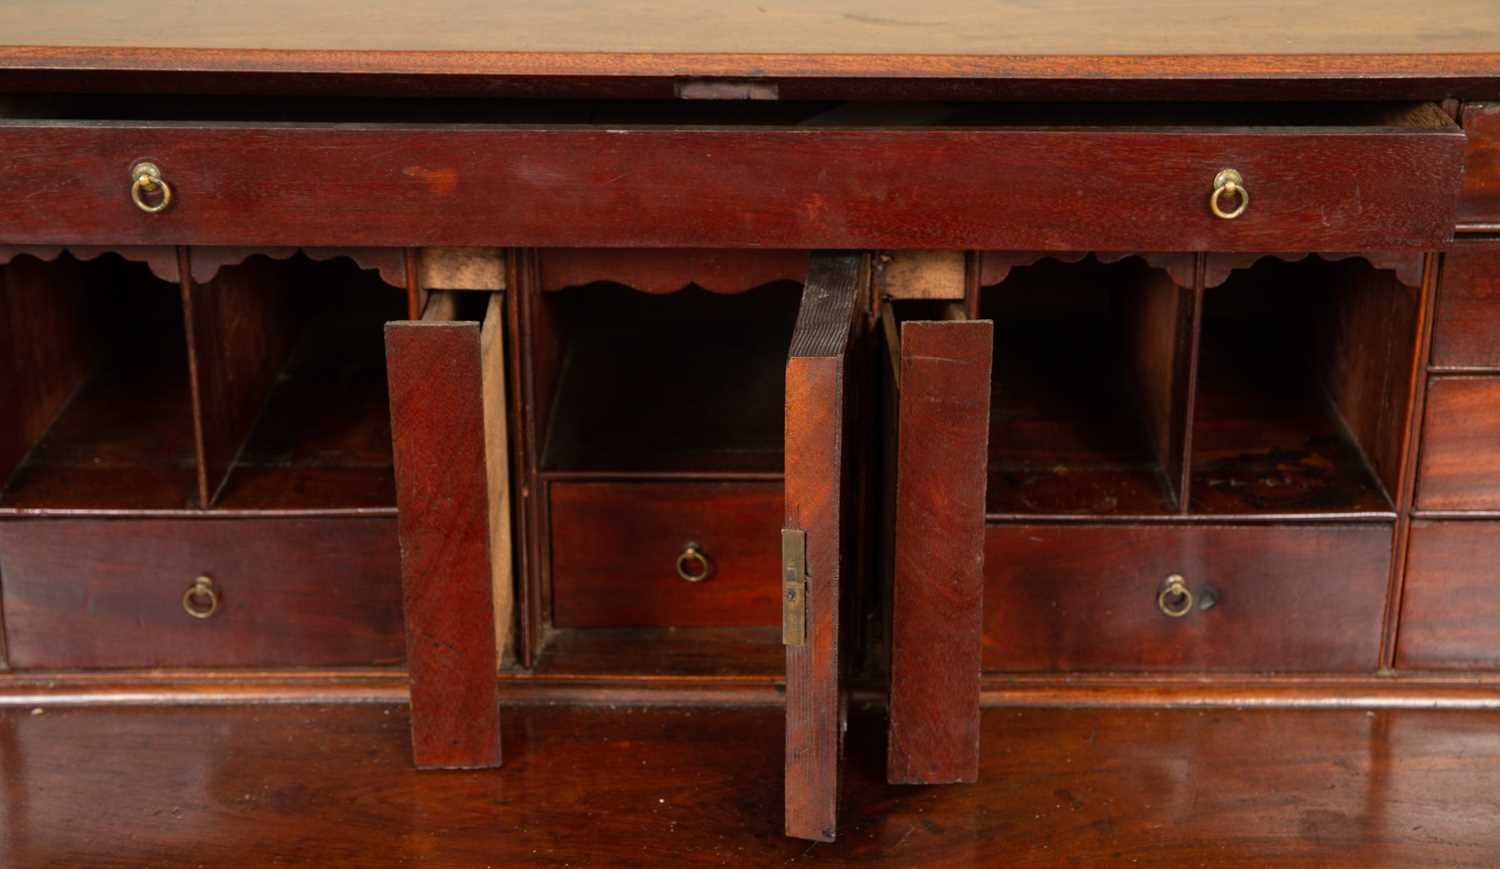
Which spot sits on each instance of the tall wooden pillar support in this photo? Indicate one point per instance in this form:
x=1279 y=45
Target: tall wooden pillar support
x=447 y=385
x=815 y=540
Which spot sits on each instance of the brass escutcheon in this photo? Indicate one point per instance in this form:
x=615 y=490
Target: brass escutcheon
x=1174 y=599
x=147 y=180
x=1229 y=181
x=693 y=565
x=201 y=600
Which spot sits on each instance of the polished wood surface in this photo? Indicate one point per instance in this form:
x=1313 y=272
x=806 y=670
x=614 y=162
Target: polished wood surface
x=96 y=593
x=1320 y=788
x=1467 y=331
x=938 y=574
x=819 y=452
x=1460 y=458
x=1450 y=612
x=850 y=187
x=1480 y=205
x=615 y=548
x=1265 y=597
x=443 y=491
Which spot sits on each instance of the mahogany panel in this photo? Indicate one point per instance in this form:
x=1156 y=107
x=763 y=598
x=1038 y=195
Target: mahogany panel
x=241 y=327
x=1467 y=329
x=817 y=468
x=615 y=548
x=938 y=576
x=1307 y=598
x=651 y=187
x=81 y=593
x=1480 y=199
x=442 y=489
x=1459 y=467
x=1450 y=612
x=667 y=271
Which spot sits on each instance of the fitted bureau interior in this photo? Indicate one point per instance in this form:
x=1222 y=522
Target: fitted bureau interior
x=258 y=385
x=660 y=392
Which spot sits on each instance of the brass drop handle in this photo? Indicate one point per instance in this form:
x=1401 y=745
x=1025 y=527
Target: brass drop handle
x=1174 y=599
x=693 y=565
x=201 y=600
x=148 y=183
x=1229 y=187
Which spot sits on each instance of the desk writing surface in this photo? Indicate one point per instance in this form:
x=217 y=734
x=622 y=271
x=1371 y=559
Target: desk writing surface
x=765 y=37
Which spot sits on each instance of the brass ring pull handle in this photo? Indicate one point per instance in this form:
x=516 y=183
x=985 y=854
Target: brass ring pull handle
x=693 y=565
x=148 y=182
x=1174 y=599
x=1228 y=181
x=201 y=600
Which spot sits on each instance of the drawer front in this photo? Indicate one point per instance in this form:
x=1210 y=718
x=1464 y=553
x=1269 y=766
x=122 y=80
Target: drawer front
x=1467 y=328
x=1264 y=598
x=1348 y=188
x=1460 y=450
x=1450 y=610
x=616 y=549
x=1481 y=191
x=291 y=592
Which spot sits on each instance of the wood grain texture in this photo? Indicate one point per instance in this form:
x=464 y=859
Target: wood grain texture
x=1279 y=597
x=493 y=373
x=1315 y=788
x=849 y=188
x=1480 y=202
x=615 y=545
x=667 y=271
x=442 y=490
x=241 y=328
x=921 y=274
x=389 y=263
x=817 y=458
x=938 y=577
x=1450 y=612
x=1460 y=454
x=1467 y=327
x=293 y=592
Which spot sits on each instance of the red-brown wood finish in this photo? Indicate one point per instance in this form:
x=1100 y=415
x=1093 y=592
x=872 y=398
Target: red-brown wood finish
x=818 y=458
x=437 y=424
x=615 y=548
x=1468 y=306
x=1480 y=201
x=938 y=577
x=1460 y=454
x=851 y=188
x=1450 y=612
x=1265 y=597
x=667 y=271
x=95 y=593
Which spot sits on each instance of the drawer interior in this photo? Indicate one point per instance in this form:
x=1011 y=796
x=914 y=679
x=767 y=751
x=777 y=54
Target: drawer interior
x=95 y=389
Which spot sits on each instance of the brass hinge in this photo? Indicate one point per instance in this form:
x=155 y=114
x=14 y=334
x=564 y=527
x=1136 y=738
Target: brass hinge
x=793 y=587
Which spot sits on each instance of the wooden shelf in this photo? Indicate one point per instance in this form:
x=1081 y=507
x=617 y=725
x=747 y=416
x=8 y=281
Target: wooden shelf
x=702 y=652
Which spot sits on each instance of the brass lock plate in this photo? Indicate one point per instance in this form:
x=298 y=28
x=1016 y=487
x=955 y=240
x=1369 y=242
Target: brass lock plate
x=793 y=587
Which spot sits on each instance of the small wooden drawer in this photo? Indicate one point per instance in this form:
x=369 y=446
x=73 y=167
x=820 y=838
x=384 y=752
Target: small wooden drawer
x=1127 y=178
x=1467 y=328
x=289 y=592
x=1460 y=451
x=1450 y=611
x=1480 y=203
x=621 y=554
x=1307 y=598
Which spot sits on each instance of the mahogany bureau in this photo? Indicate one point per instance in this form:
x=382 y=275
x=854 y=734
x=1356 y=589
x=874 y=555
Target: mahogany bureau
x=672 y=352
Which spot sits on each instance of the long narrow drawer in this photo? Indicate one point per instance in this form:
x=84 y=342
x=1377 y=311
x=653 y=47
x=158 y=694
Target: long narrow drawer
x=126 y=593
x=1252 y=598
x=1481 y=191
x=1450 y=610
x=1460 y=451
x=683 y=554
x=1092 y=183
